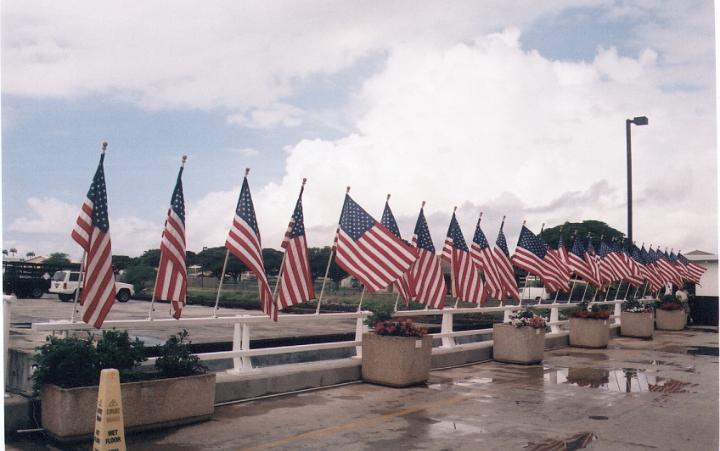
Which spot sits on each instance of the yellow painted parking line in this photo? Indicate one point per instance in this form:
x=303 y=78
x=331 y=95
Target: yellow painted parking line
x=362 y=423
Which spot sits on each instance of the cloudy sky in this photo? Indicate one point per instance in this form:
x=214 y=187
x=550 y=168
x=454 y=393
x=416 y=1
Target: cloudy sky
x=511 y=108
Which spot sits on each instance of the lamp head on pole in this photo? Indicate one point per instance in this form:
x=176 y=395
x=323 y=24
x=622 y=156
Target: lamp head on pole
x=640 y=120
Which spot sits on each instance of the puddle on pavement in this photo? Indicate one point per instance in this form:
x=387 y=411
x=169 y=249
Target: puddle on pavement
x=467 y=382
x=626 y=380
x=582 y=355
x=577 y=441
x=656 y=363
x=691 y=350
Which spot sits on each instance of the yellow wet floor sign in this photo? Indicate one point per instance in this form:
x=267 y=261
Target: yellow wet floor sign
x=109 y=425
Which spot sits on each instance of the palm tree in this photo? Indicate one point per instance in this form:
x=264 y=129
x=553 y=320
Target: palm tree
x=30 y=254
x=13 y=251
x=5 y=251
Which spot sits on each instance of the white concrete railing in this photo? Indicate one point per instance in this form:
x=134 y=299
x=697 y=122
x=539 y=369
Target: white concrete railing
x=7 y=311
x=241 y=351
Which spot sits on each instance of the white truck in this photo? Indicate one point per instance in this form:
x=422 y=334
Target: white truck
x=64 y=283
x=534 y=290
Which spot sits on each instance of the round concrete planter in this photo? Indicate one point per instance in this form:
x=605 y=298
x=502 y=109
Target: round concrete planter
x=395 y=361
x=589 y=333
x=68 y=414
x=637 y=324
x=525 y=345
x=670 y=319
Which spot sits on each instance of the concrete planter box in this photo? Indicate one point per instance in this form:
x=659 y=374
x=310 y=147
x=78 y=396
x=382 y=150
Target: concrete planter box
x=512 y=344
x=68 y=414
x=395 y=361
x=589 y=333
x=637 y=324
x=670 y=319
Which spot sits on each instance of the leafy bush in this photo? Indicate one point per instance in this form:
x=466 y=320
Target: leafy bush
x=585 y=311
x=633 y=305
x=670 y=302
x=116 y=350
x=527 y=318
x=176 y=359
x=67 y=362
x=400 y=328
x=380 y=313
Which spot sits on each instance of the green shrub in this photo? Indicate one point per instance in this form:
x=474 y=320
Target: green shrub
x=67 y=362
x=116 y=350
x=175 y=359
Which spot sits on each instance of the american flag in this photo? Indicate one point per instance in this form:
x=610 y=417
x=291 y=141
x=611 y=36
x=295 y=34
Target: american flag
x=592 y=262
x=501 y=258
x=635 y=275
x=92 y=233
x=296 y=284
x=578 y=264
x=171 y=282
x=667 y=268
x=652 y=274
x=483 y=258
x=605 y=263
x=530 y=256
x=556 y=266
x=624 y=263
x=563 y=255
x=693 y=270
x=369 y=251
x=467 y=285
x=426 y=274
x=402 y=285
x=243 y=242
x=645 y=272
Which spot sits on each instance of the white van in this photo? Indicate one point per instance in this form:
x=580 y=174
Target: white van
x=64 y=283
x=534 y=290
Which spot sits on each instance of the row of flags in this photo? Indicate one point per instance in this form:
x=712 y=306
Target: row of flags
x=374 y=253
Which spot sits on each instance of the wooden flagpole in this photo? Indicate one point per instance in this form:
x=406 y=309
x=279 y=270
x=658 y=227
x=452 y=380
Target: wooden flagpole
x=332 y=251
x=362 y=295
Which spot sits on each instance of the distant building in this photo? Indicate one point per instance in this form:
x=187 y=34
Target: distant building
x=36 y=259
x=708 y=285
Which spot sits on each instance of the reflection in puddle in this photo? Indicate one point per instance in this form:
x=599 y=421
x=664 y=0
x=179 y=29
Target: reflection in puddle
x=692 y=350
x=467 y=382
x=626 y=380
x=443 y=428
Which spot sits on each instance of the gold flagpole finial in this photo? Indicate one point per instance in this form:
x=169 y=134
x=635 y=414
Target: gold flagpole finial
x=422 y=205
x=347 y=190
x=454 y=209
x=247 y=171
x=503 y=219
x=388 y=197
x=304 y=181
x=184 y=159
x=480 y=217
x=523 y=222
x=104 y=146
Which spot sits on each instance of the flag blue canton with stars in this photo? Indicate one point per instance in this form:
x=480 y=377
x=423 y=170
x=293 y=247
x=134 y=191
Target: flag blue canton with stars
x=501 y=242
x=479 y=238
x=456 y=235
x=177 y=203
x=529 y=241
x=98 y=196
x=388 y=220
x=245 y=209
x=422 y=233
x=355 y=221
x=578 y=248
x=604 y=249
x=298 y=226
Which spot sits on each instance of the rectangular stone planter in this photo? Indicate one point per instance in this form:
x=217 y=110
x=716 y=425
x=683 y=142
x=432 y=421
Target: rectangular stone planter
x=670 y=319
x=525 y=345
x=395 y=361
x=68 y=414
x=589 y=333
x=637 y=324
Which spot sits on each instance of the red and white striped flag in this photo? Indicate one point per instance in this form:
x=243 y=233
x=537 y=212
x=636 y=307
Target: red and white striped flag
x=171 y=282
x=402 y=285
x=483 y=258
x=244 y=242
x=296 y=284
x=467 y=285
x=92 y=233
x=693 y=271
x=426 y=273
x=501 y=258
x=369 y=251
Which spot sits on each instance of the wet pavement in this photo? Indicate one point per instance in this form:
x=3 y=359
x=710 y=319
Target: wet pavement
x=49 y=308
x=637 y=394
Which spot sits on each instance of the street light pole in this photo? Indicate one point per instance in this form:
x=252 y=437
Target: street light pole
x=640 y=120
